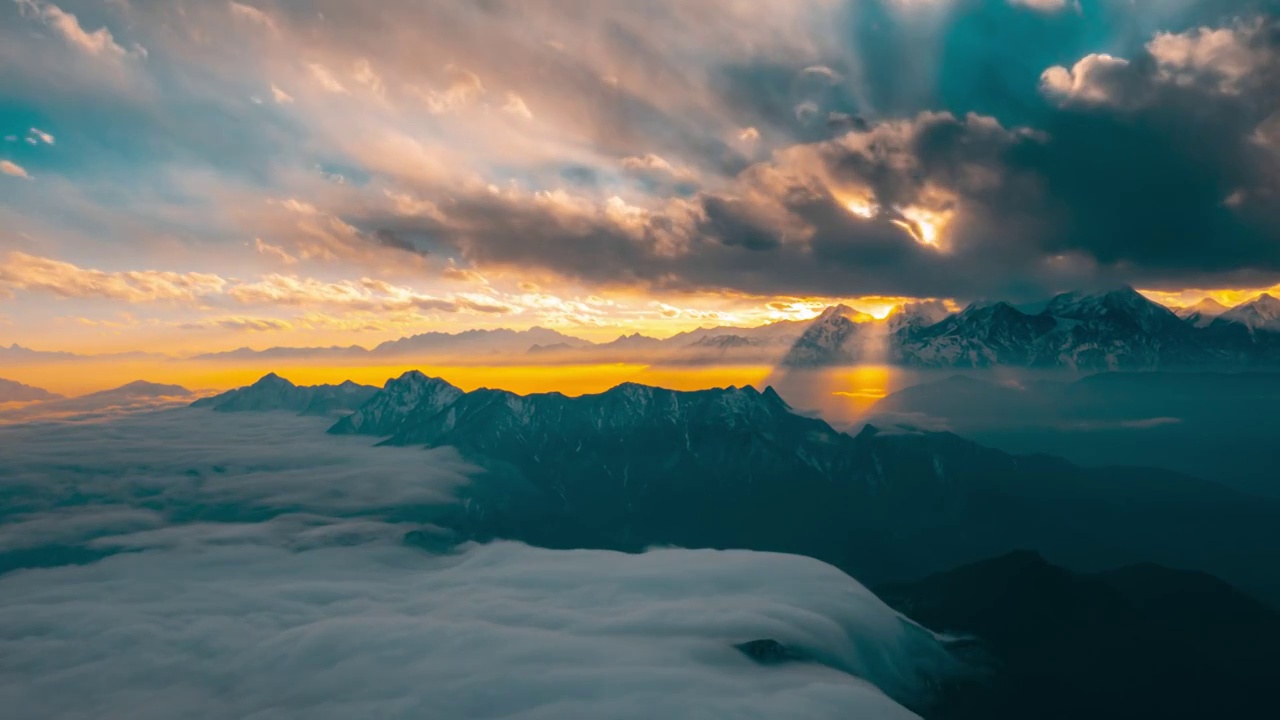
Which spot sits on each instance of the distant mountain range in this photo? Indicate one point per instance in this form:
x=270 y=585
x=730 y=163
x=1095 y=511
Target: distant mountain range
x=273 y=392
x=735 y=467
x=12 y=391
x=1121 y=329
x=766 y=343
x=136 y=396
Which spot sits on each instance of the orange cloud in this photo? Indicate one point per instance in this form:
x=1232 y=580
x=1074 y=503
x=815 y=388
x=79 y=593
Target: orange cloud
x=21 y=271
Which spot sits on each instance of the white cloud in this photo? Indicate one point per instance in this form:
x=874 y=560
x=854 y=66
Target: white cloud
x=36 y=136
x=280 y=96
x=253 y=15
x=1047 y=6
x=1223 y=53
x=326 y=78
x=515 y=106
x=267 y=577
x=13 y=169
x=1090 y=80
x=97 y=42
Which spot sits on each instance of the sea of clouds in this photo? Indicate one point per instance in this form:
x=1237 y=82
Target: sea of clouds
x=192 y=564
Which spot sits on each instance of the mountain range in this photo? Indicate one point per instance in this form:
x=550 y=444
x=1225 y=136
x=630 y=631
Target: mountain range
x=1121 y=329
x=12 y=391
x=272 y=392
x=637 y=466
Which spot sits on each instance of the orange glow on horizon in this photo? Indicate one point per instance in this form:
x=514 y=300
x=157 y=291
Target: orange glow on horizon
x=80 y=378
x=1227 y=296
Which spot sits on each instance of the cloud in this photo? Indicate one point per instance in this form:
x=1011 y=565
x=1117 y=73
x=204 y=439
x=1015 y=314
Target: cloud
x=13 y=169
x=36 y=136
x=367 y=295
x=280 y=96
x=253 y=15
x=1229 y=55
x=240 y=323
x=275 y=252
x=463 y=89
x=21 y=271
x=98 y=42
x=1048 y=6
x=1096 y=78
x=206 y=519
x=515 y=106
x=326 y=79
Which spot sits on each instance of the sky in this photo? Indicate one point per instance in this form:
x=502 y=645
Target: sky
x=197 y=176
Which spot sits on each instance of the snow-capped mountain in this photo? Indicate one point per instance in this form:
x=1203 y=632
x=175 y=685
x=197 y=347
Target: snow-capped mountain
x=979 y=336
x=1259 y=314
x=1117 y=330
x=403 y=402
x=272 y=392
x=832 y=338
x=1202 y=313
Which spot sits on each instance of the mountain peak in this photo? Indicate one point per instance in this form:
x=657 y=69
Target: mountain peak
x=272 y=380
x=1260 y=313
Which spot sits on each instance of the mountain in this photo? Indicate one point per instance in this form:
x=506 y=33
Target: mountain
x=273 y=392
x=916 y=315
x=403 y=402
x=1202 y=313
x=979 y=336
x=500 y=340
x=832 y=338
x=637 y=466
x=1116 y=330
x=634 y=341
x=281 y=353
x=1141 y=641
x=12 y=391
x=137 y=389
x=138 y=396
x=1260 y=314
x=18 y=354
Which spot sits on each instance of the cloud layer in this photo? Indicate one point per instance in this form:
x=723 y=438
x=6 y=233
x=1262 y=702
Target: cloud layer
x=255 y=567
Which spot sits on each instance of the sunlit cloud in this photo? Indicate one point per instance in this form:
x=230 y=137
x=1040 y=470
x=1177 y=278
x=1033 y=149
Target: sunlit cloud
x=20 y=271
x=13 y=169
x=97 y=42
x=35 y=136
